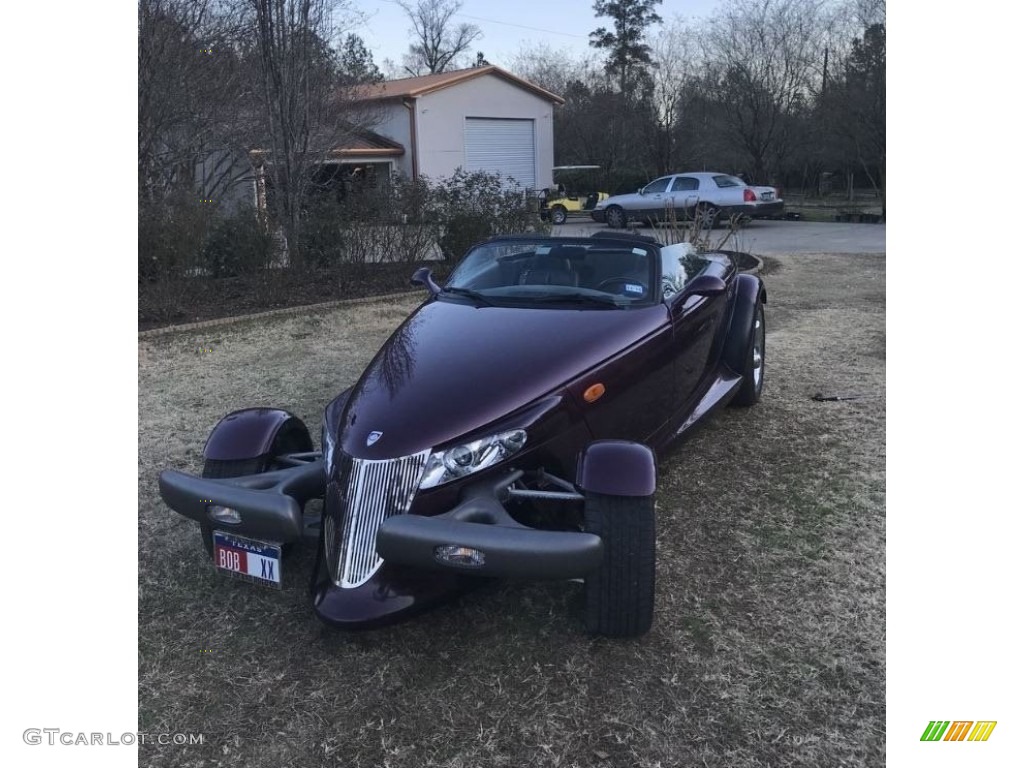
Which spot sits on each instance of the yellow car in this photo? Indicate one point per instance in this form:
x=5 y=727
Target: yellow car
x=573 y=193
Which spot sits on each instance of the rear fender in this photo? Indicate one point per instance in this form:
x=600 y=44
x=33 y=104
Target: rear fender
x=251 y=432
x=750 y=292
x=617 y=468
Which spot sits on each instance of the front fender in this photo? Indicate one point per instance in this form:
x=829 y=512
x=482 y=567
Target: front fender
x=750 y=292
x=617 y=468
x=250 y=433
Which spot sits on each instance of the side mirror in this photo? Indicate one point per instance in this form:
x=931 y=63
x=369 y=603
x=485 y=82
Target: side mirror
x=704 y=285
x=640 y=191
x=423 y=276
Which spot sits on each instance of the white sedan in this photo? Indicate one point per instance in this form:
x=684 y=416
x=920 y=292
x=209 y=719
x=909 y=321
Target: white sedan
x=685 y=196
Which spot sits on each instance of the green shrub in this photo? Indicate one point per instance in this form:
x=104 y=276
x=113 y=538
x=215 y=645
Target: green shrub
x=238 y=244
x=472 y=206
x=171 y=236
x=395 y=222
x=321 y=238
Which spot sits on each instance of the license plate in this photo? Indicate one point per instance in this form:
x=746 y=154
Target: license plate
x=247 y=559
x=767 y=195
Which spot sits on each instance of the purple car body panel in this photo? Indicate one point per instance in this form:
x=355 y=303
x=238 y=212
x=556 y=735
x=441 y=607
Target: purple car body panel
x=750 y=292
x=454 y=368
x=392 y=593
x=248 y=433
x=617 y=468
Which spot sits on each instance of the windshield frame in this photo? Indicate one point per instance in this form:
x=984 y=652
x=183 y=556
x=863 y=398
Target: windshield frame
x=576 y=296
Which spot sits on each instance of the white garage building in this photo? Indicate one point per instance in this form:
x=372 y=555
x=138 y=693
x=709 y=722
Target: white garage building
x=482 y=118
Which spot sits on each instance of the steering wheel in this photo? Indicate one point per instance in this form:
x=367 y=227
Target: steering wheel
x=622 y=282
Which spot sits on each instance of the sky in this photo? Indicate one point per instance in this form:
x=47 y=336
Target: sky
x=506 y=26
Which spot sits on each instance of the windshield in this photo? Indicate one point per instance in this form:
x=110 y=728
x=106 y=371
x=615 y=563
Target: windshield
x=557 y=273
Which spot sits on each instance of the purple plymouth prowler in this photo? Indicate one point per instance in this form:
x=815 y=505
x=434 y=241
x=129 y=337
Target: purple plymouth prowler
x=508 y=428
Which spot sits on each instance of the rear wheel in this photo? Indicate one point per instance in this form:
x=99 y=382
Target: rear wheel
x=620 y=594
x=615 y=217
x=559 y=214
x=753 y=374
x=707 y=215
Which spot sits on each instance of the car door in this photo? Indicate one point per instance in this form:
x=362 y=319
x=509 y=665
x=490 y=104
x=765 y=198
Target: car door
x=695 y=320
x=637 y=390
x=652 y=200
x=684 y=193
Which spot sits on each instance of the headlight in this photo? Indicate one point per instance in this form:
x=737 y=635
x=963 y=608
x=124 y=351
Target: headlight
x=462 y=460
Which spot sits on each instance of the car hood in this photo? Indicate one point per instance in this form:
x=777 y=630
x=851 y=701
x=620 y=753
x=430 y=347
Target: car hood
x=452 y=368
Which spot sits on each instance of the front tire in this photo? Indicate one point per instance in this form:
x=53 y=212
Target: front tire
x=615 y=217
x=753 y=374
x=559 y=215
x=620 y=594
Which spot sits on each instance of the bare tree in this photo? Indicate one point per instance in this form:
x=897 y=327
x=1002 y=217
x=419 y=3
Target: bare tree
x=307 y=106
x=869 y=12
x=190 y=89
x=674 y=56
x=855 y=106
x=763 y=59
x=439 y=40
x=553 y=69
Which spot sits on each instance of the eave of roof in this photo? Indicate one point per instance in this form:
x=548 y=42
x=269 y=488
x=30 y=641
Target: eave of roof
x=361 y=142
x=414 y=87
x=366 y=152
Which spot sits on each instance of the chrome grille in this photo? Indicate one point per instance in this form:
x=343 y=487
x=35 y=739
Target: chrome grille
x=364 y=494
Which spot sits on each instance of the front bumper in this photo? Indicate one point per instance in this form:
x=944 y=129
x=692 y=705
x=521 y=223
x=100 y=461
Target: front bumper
x=506 y=548
x=412 y=577
x=270 y=504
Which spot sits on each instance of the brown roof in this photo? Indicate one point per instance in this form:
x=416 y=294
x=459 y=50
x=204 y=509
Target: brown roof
x=366 y=142
x=360 y=142
x=411 y=87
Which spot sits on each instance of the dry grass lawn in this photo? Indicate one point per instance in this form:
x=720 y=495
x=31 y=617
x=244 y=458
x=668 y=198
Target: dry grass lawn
x=768 y=645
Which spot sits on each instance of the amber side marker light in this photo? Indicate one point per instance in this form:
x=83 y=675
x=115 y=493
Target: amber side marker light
x=593 y=392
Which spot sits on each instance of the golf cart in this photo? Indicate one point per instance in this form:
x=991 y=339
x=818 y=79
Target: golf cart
x=574 y=192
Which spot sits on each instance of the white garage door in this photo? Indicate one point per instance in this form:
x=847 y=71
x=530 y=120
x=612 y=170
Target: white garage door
x=502 y=146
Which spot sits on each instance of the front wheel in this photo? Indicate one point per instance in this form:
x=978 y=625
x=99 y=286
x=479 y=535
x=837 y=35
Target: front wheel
x=292 y=438
x=620 y=594
x=559 y=215
x=615 y=217
x=753 y=374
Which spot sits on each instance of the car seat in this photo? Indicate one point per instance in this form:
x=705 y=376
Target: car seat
x=617 y=263
x=553 y=268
